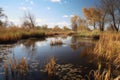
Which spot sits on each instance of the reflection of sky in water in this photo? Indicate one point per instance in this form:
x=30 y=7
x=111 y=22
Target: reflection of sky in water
x=48 y=40
x=41 y=50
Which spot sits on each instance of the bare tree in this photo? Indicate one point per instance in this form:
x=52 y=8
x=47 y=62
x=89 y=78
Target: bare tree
x=112 y=7
x=1 y=12
x=118 y=7
x=78 y=23
x=1 y=16
x=102 y=17
x=29 y=21
x=57 y=28
x=74 y=23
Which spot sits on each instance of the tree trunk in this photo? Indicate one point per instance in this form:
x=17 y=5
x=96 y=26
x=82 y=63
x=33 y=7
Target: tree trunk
x=103 y=22
x=112 y=27
x=114 y=22
x=94 y=25
x=102 y=26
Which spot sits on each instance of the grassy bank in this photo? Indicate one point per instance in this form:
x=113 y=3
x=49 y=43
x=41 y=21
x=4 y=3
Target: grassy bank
x=90 y=34
x=108 y=47
x=85 y=33
x=13 y=34
x=105 y=52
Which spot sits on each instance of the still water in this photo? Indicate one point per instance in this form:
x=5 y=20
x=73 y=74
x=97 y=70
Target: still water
x=38 y=52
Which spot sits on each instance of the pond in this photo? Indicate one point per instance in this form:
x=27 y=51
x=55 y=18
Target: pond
x=68 y=56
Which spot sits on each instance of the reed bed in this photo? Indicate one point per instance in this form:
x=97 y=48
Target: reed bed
x=98 y=75
x=13 y=34
x=53 y=33
x=50 y=67
x=16 y=68
x=108 y=47
x=91 y=34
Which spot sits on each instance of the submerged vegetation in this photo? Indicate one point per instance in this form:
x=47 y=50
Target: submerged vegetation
x=56 y=70
x=101 y=24
x=50 y=67
x=16 y=69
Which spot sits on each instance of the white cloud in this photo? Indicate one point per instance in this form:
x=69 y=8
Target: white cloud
x=15 y=21
x=68 y=16
x=3 y=19
x=51 y=23
x=63 y=23
x=65 y=16
x=55 y=0
x=25 y=8
x=40 y=21
x=72 y=15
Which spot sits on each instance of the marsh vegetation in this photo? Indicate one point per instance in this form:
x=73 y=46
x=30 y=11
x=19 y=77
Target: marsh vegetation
x=87 y=49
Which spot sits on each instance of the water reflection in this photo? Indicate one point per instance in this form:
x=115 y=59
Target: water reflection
x=38 y=52
x=79 y=42
x=5 y=51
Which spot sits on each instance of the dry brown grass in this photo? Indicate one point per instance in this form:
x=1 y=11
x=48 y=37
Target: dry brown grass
x=50 y=67
x=97 y=75
x=100 y=74
x=17 y=67
x=5 y=66
x=13 y=34
x=52 y=33
x=108 y=47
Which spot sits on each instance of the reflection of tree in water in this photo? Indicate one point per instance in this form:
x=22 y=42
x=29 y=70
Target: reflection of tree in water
x=74 y=47
x=64 y=36
x=30 y=46
x=77 y=42
x=74 y=39
x=74 y=43
x=87 y=52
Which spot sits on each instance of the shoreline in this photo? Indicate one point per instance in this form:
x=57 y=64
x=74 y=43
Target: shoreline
x=37 y=36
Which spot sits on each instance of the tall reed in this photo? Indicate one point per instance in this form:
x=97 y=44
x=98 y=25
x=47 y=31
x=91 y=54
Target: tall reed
x=108 y=47
x=50 y=67
x=100 y=74
x=16 y=68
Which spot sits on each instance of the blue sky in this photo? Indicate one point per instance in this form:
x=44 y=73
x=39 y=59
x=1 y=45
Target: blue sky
x=51 y=12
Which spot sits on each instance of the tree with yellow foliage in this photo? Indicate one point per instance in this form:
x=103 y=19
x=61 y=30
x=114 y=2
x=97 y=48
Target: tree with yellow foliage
x=78 y=23
x=94 y=16
x=74 y=23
